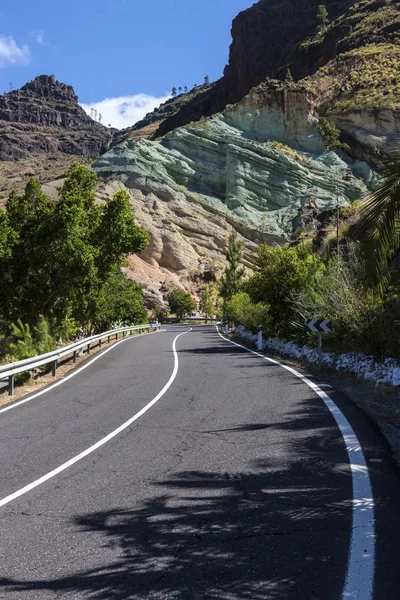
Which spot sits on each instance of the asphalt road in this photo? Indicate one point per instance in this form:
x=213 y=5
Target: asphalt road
x=234 y=484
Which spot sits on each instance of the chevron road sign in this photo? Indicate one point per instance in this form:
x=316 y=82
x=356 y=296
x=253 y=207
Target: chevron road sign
x=320 y=325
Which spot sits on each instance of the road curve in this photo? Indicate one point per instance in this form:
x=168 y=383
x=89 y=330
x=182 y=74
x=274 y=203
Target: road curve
x=229 y=479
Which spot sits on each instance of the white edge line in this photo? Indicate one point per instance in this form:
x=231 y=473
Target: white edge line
x=101 y=442
x=76 y=372
x=359 y=583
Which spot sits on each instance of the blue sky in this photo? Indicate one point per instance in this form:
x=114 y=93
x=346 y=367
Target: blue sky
x=131 y=52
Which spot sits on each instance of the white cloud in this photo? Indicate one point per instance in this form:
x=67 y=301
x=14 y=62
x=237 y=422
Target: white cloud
x=38 y=36
x=125 y=111
x=11 y=53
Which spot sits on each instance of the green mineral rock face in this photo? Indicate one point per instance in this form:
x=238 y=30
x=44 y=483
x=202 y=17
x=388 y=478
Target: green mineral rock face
x=263 y=162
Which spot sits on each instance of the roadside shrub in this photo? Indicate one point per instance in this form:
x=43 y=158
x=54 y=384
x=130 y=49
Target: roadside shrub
x=363 y=321
x=241 y=310
x=26 y=342
x=23 y=346
x=181 y=303
x=280 y=275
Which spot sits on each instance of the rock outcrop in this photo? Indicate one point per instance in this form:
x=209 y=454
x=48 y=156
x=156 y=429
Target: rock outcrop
x=260 y=167
x=188 y=240
x=359 y=91
x=245 y=152
x=276 y=35
x=42 y=131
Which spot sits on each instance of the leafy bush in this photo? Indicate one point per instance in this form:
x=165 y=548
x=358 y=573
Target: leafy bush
x=363 y=321
x=26 y=342
x=181 y=303
x=44 y=341
x=159 y=312
x=23 y=346
x=281 y=273
x=331 y=135
x=241 y=310
x=120 y=301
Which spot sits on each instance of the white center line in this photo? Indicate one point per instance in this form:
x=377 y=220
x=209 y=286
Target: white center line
x=103 y=441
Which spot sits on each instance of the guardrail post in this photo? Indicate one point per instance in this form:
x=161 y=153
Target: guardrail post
x=88 y=348
x=11 y=384
x=75 y=356
x=100 y=342
x=54 y=368
x=109 y=338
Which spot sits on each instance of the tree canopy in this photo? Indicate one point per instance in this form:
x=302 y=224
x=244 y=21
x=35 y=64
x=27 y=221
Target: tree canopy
x=281 y=274
x=181 y=303
x=58 y=259
x=234 y=272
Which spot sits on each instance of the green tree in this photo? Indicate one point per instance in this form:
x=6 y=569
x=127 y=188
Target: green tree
x=331 y=135
x=323 y=16
x=174 y=92
x=207 y=80
x=234 y=272
x=8 y=237
x=289 y=77
x=379 y=230
x=207 y=301
x=63 y=252
x=181 y=303
x=280 y=274
x=117 y=234
x=121 y=300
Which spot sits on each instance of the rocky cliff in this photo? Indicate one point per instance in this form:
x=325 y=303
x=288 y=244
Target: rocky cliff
x=260 y=167
x=42 y=130
x=276 y=35
x=248 y=152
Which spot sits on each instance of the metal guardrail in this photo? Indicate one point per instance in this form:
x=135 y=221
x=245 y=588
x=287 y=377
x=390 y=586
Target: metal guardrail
x=11 y=369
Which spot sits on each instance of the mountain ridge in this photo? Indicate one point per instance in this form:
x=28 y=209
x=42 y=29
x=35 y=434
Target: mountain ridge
x=43 y=129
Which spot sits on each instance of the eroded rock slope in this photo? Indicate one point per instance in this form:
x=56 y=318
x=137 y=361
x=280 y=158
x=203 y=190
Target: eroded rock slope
x=260 y=167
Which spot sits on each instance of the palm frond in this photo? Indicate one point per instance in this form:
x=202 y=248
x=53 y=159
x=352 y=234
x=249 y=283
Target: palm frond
x=379 y=230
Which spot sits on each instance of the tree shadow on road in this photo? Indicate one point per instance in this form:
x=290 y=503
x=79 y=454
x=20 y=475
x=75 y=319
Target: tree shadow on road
x=277 y=530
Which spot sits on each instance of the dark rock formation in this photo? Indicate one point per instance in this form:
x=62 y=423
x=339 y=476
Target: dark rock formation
x=44 y=116
x=274 y=35
x=43 y=130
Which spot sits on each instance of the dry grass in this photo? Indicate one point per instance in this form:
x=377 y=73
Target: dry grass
x=16 y=174
x=363 y=78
